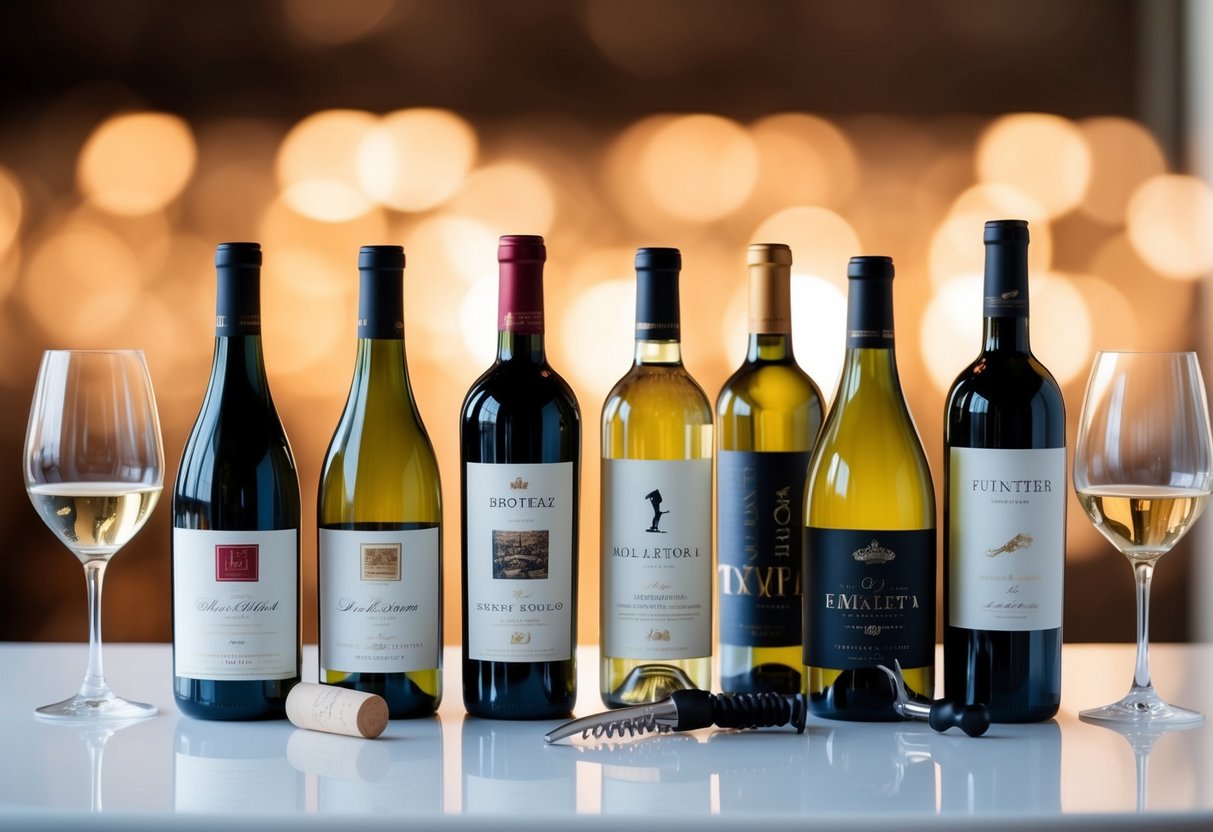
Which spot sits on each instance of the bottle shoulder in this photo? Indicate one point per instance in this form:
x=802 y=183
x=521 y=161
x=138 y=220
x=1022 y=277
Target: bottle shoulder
x=1005 y=401
x=662 y=388
x=516 y=389
x=768 y=386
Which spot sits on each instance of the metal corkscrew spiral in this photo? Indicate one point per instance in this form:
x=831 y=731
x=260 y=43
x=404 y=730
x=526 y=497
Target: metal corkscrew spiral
x=686 y=710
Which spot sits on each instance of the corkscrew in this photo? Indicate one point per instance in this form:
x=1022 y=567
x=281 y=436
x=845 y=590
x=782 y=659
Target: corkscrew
x=686 y=710
x=940 y=714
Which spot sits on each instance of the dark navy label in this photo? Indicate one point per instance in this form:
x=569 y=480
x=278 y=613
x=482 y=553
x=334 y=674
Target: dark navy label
x=760 y=503
x=870 y=598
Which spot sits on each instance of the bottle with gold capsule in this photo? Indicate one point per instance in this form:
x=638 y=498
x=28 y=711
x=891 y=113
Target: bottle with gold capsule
x=870 y=514
x=656 y=507
x=768 y=416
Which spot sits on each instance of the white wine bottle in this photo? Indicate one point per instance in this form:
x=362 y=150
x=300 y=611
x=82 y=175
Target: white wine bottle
x=870 y=511
x=379 y=512
x=656 y=507
x=768 y=416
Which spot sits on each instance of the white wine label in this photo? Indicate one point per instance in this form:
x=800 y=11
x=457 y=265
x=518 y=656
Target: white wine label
x=236 y=604
x=519 y=568
x=1007 y=538
x=379 y=600
x=657 y=558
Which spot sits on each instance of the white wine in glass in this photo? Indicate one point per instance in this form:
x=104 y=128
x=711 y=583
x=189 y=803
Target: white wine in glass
x=1143 y=471
x=94 y=466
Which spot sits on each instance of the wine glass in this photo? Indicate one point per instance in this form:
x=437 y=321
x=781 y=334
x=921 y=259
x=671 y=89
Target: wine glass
x=1143 y=474
x=94 y=466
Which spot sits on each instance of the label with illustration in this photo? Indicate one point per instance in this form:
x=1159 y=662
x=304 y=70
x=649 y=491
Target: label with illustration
x=519 y=570
x=1006 y=538
x=657 y=558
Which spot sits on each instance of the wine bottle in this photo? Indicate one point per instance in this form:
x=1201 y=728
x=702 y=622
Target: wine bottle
x=1005 y=506
x=870 y=510
x=768 y=416
x=379 y=511
x=520 y=442
x=236 y=647
x=656 y=553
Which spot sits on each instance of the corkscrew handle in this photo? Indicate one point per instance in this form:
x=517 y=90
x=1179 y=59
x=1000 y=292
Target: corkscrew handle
x=701 y=709
x=974 y=720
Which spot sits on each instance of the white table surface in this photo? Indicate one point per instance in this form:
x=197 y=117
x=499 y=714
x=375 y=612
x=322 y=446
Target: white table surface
x=453 y=772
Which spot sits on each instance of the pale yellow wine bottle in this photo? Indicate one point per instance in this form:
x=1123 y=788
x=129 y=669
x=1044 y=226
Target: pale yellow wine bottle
x=870 y=509
x=768 y=416
x=656 y=551
x=379 y=512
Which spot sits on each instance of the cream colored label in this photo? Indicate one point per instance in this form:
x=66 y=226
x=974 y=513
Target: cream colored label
x=1007 y=538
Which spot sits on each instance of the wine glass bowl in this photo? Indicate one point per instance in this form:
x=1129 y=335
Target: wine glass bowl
x=94 y=468
x=1143 y=472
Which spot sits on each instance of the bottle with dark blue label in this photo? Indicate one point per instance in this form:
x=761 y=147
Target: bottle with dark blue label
x=769 y=414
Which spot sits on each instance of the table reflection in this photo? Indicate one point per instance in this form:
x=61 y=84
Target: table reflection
x=1015 y=769
x=234 y=767
x=95 y=735
x=400 y=772
x=509 y=770
x=1141 y=738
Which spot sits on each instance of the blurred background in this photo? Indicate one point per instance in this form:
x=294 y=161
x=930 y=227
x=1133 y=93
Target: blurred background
x=135 y=135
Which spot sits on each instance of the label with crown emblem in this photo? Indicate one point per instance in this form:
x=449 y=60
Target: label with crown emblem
x=870 y=598
x=519 y=561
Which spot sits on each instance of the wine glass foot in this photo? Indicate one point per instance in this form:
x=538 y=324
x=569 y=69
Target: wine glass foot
x=106 y=707
x=1142 y=705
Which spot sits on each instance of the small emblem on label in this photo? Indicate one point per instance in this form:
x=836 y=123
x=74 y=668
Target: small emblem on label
x=519 y=484
x=236 y=563
x=872 y=630
x=658 y=635
x=520 y=638
x=873 y=553
x=380 y=561
x=1011 y=295
x=655 y=500
x=1019 y=541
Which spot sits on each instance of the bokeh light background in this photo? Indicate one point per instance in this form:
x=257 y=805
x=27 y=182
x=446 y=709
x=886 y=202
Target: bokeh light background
x=143 y=133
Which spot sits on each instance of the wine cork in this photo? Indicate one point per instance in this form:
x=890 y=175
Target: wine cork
x=336 y=710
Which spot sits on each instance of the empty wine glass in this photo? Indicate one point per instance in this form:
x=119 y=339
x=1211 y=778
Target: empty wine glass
x=94 y=465
x=1143 y=474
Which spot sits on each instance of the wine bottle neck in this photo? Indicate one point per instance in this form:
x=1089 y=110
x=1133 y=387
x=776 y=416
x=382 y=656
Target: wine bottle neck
x=520 y=324
x=658 y=352
x=769 y=347
x=874 y=369
x=1005 y=303
x=1005 y=335
x=520 y=346
x=238 y=351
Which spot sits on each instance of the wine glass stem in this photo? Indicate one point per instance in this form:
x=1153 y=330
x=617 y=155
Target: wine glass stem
x=94 y=678
x=1143 y=571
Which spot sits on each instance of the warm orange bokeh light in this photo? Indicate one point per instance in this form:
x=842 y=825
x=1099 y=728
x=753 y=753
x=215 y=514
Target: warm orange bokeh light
x=1045 y=156
x=12 y=201
x=509 y=194
x=950 y=334
x=606 y=309
x=1171 y=225
x=699 y=167
x=416 y=159
x=821 y=240
x=327 y=23
x=803 y=160
x=80 y=282
x=136 y=163
x=957 y=249
x=1123 y=156
x=318 y=165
